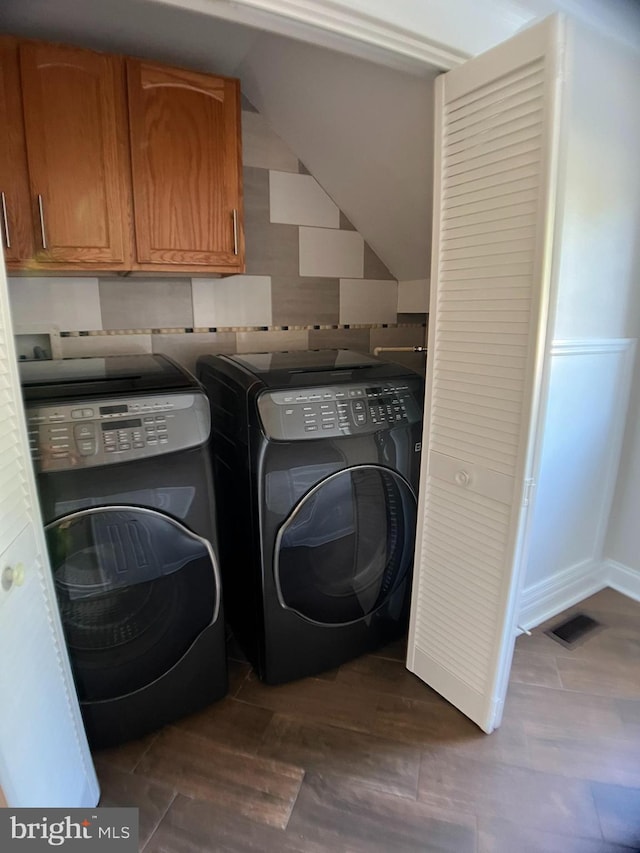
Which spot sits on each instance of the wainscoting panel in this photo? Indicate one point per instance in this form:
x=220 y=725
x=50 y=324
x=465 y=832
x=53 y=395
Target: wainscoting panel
x=586 y=411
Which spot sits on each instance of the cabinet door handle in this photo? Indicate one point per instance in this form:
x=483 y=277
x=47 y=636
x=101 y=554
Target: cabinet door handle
x=42 y=231
x=235 y=232
x=5 y=221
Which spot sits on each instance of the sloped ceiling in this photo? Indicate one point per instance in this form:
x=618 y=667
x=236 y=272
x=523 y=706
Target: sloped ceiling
x=364 y=131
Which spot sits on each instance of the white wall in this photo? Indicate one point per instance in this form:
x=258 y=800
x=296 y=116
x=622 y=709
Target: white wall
x=366 y=134
x=622 y=547
x=612 y=265
x=600 y=243
x=597 y=257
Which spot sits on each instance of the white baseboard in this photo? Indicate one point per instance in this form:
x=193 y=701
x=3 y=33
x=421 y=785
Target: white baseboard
x=546 y=599
x=551 y=596
x=622 y=578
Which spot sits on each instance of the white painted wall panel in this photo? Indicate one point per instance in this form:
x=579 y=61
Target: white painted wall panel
x=587 y=401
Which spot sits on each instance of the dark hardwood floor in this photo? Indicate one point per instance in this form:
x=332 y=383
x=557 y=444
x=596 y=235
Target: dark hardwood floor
x=368 y=758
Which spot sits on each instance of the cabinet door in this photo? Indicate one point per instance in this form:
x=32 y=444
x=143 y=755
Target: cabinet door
x=185 y=153
x=15 y=215
x=74 y=111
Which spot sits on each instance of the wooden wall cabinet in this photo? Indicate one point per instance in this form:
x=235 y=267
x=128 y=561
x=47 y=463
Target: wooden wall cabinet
x=73 y=105
x=81 y=141
x=186 y=167
x=15 y=208
x=63 y=159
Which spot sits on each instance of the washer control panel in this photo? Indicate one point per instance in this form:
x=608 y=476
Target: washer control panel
x=101 y=432
x=340 y=410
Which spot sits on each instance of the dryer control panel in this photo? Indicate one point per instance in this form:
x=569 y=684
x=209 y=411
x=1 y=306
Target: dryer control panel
x=326 y=412
x=88 y=433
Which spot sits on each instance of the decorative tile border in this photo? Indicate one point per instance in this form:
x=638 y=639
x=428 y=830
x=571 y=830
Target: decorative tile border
x=93 y=333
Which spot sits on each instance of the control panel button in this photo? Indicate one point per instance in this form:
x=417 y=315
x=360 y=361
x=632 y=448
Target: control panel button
x=86 y=447
x=77 y=413
x=81 y=431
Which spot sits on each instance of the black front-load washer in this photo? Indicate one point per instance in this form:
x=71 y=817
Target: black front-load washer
x=120 y=449
x=317 y=456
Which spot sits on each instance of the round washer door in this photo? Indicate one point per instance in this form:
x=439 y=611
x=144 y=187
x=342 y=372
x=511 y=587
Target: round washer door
x=135 y=589
x=347 y=545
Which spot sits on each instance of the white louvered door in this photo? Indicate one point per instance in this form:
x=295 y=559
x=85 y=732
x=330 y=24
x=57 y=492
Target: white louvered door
x=44 y=756
x=497 y=120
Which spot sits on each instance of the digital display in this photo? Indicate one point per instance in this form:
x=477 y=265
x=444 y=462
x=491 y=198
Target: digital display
x=114 y=410
x=130 y=424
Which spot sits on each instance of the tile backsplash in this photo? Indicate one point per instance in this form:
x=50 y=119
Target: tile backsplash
x=311 y=281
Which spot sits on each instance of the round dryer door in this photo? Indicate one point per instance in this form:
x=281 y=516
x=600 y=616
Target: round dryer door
x=135 y=589
x=347 y=546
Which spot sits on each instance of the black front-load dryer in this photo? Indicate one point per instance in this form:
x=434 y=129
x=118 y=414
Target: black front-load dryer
x=317 y=457
x=120 y=449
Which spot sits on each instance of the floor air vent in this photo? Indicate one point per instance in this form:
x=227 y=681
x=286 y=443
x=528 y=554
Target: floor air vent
x=572 y=631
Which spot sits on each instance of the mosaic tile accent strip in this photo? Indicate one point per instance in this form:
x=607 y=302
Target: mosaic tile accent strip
x=102 y=333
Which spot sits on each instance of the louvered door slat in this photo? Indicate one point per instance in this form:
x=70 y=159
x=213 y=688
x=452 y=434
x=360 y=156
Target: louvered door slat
x=501 y=142
x=495 y=125
x=487 y=236
x=492 y=91
x=489 y=220
x=13 y=487
x=492 y=188
x=506 y=165
x=500 y=246
x=490 y=516
x=496 y=157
